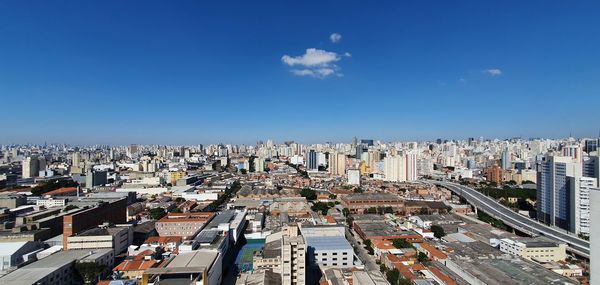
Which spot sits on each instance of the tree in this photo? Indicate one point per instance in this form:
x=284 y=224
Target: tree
x=346 y=212
x=372 y=210
x=332 y=196
x=157 y=213
x=69 y=208
x=308 y=193
x=393 y=276
x=422 y=257
x=369 y=245
x=438 y=231
x=176 y=210
x=243 y=171
x=90 y=272
x=320 y=207
x=401 y=243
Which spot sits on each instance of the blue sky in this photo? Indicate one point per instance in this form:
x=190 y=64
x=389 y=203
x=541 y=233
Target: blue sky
x=177 y=72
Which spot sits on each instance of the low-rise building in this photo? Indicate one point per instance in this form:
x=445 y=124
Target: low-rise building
x=185 y=225
x=542 y=251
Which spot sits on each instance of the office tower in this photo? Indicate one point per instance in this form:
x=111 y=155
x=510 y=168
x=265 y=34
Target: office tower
x=367 y=142
x=311 y=160
x=591 y=167
x=554 y=191
x=293 y=260
x=591 y=145
x=580 y=204
x=337 y=164
x=506 y=159
x=471 y=141
x=595 y=238
x=360 y=148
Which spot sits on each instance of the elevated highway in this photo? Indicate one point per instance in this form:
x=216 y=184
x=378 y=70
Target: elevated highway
x=515 y=220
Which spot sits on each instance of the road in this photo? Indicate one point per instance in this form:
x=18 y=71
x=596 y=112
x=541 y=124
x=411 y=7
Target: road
x=367 y=260
x=516 y=220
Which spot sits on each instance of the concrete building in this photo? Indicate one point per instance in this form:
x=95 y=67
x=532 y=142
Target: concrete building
x=400 y=168
x=196 y=267
x=12 y=201
x=554 y=192
x=353 y=177
x=13 y=254
x=337 y=164
x=311 y=160
x=185 y=225
x=111 y=212
x=360 y=202
x=293 y=258
x=117 y=237
x=57 y=268
x=32 y=165
x=595 y=238
x=95 y=178
x=50 y=203
x=540 y=251
x=580 y=204
x=327 y=246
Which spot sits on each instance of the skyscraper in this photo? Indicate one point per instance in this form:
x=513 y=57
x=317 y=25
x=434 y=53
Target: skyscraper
x=506 y=159
x=311 y=160
x=554 y=190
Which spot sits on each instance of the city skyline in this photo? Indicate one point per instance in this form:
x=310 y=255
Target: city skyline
x=108 y=72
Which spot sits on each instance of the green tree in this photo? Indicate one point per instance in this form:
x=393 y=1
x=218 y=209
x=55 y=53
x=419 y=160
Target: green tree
x=422 y=257
x=320 y=207
x=346 y=212
x=69 y=208
x=401 y=243
x=243 y=171
x=332 y=196
x=90 y=272
x=438 y=231
x=308 y=193
x=393 y=276
x=157 y=213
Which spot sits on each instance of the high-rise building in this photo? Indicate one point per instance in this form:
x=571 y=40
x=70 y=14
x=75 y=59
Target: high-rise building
x=554 y=191
x=337 y=164
x=32 y=166
x=595 y=238
x=506 y=159
x=293 y=260
x=591 y=167
x=580 y=204
x=311 y=160
x=400 y=168
x=591 y=145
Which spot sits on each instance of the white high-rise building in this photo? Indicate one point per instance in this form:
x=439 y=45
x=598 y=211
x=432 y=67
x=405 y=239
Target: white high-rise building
x=595 y=238
x=400 y=168
x=293 y=260
x=580 y=204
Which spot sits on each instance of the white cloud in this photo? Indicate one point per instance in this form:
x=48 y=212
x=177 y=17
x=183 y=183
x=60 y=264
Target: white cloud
x=347 y=54
x=312 y=57
x=314 y=62
x=335 y=38
x=493 y=72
